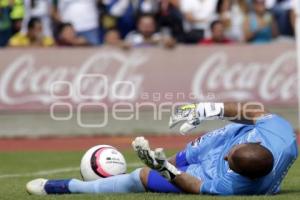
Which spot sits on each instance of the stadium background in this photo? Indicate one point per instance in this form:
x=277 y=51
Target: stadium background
x=140 y=57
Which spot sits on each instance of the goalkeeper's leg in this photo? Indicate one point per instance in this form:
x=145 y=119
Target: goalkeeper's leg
x=125 y=183
x=155 y=182
x=157 y=160
x=140 y=180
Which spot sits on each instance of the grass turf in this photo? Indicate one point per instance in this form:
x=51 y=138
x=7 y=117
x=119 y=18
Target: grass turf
x=23 y=163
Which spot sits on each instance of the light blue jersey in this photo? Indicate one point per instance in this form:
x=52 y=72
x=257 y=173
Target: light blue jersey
x=206 y=156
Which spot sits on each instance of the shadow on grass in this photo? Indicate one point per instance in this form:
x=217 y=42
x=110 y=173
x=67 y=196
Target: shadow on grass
x=285 y=192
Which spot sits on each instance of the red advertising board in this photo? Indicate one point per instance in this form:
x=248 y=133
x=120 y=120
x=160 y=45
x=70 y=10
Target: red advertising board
x=35 y=79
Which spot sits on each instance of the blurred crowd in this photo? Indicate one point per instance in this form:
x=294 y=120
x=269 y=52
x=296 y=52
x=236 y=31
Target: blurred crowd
x=133 y=23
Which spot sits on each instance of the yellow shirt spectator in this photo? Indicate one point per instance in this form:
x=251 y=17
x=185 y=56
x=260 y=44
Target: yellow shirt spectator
x=33 y=37
x=21 y=40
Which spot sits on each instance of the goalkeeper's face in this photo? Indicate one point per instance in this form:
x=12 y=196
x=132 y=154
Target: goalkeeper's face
x=251 y=160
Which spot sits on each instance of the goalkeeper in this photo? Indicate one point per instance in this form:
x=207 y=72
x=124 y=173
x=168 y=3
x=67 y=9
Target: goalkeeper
x=248 y=157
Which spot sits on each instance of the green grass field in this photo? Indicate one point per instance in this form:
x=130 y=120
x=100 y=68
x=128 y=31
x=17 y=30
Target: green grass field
x=18 y=168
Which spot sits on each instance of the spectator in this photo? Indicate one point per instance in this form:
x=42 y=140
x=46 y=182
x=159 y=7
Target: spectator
x=38 y=9
x=113 y=38
x=270 y=4
x=33 y=37
x=83 y=15
x=282 y=12
x=17 y=14
x=146 y=34
x=170 y=17
x=232 y=14
x=217 y=34
x=118 y=13
x=239 y=11
x=5 y=22
x=293 y=15
x=259 y=26
x=66 y=36
x=142 y=7
x=197 y=17
x=223 y=11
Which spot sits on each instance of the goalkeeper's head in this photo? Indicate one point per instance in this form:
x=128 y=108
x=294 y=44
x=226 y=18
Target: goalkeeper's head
x=251 y=160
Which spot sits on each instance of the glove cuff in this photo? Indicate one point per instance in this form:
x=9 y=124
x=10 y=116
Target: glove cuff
x=210 y=110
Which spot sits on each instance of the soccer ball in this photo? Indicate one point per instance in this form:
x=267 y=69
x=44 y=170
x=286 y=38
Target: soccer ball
x=102 y=161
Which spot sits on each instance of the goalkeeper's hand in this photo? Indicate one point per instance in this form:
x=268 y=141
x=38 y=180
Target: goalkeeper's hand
x=154 y=159
x=191 y=115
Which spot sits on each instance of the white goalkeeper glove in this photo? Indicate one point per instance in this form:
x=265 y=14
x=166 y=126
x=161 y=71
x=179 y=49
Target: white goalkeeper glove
x=191 y=115
x=154 y=159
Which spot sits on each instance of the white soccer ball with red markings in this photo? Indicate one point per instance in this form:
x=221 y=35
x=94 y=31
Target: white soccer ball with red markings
x=102 y=161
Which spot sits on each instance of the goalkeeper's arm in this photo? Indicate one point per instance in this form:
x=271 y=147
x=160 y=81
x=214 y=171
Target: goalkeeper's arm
x=193 y=114
x=246 y=113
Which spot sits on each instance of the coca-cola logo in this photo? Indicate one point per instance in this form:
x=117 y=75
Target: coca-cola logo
x=276 y=80
x=23 y=82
